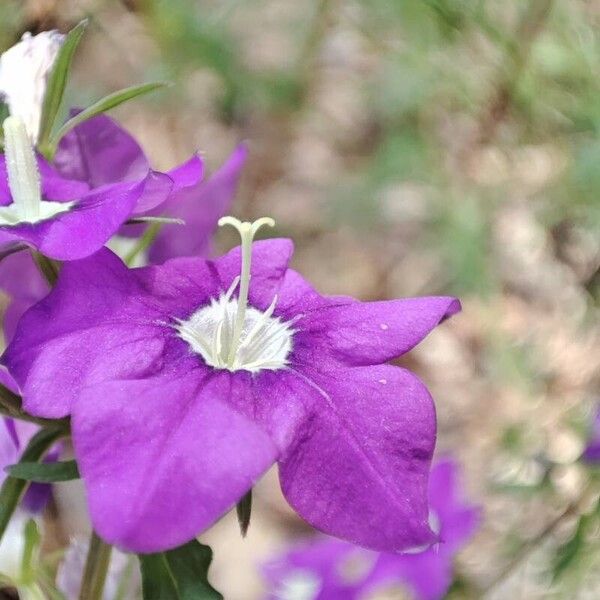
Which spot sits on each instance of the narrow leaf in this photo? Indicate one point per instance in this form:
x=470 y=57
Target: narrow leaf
x=104 y=105
x=179 y=574
x=32 y=540
x=12 y=489
x=161 y=220
x=244 y=510
x=57 y=82
x=44 y=472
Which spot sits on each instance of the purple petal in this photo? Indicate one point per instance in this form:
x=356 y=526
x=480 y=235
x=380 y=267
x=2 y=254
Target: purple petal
x=8 y=381
x=57 y=188
x=100 y=152
x=316 y=564
x=165 y=187
x=368 y=333
x=9 y=450
x=54 y=186
x=82 y=230
x=428 y=575
x=358 y=470
x=21 y=280
x=279 y=401
x=270 y=260
x=162 y=458
x=200 y=206
x=156 y=191
x=592 y=450
x=71 y=322
x=458 y=519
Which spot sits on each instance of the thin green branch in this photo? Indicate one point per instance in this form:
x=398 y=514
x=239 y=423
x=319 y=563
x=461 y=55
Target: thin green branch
x=96 y=568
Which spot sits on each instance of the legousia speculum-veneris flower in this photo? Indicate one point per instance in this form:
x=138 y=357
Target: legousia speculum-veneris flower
x=186 y=381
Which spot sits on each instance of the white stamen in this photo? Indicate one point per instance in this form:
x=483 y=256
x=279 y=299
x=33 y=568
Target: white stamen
x=24 y=179
x=231 y=335
x=23 y=174
x=268 y=348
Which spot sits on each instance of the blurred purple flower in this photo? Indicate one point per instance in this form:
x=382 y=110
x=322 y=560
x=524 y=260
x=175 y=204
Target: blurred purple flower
x=200 y=206
x=592 y=450
x=173 y=403
x=328 y=569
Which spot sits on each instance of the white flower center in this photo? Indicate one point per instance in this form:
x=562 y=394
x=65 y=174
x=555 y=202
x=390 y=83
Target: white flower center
x=24 y=179
x=265 y=342
x=231 y=335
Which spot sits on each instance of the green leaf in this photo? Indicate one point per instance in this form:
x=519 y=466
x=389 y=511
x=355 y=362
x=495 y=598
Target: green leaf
x=57 y=82
x=179 y=574
x=13 y=489
x=45 y=472
x=244 y=511
x=105 y=104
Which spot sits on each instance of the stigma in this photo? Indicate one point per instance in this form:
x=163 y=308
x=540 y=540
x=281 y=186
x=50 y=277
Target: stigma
x=230 y=334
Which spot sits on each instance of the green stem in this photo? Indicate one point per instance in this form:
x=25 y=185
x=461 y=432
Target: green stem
x=48 y=268
x=144 y=243
x=96 y=568
x=12 y=489
x=11 y=406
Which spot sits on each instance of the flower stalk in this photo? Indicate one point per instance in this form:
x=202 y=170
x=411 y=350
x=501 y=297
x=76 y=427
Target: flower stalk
x=96 y=568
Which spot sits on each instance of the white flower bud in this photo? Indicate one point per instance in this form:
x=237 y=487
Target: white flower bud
x=24 y=71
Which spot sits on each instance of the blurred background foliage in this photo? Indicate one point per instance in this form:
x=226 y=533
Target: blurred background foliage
x=409 y=147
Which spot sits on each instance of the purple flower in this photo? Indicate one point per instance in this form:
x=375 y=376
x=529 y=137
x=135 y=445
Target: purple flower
x=100 y=152
x=200 y=207
x=185 y=382
x=592 y=451
x=61 y=218
x=329 y=569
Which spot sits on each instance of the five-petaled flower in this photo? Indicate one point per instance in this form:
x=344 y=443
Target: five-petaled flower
x=185 y=382
x=328 y=569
